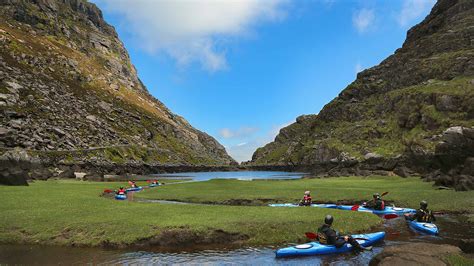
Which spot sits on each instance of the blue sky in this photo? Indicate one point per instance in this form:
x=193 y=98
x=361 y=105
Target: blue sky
x=241 y=70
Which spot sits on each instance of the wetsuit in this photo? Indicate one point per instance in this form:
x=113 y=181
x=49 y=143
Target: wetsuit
x=328 y=236
x=306 y=200
x=423 y=216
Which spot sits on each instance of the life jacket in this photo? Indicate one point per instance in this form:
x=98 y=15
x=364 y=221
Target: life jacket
x=382 y=205
x=425 y=216
x=121 y=191
x=322 y=237
x=307 y=198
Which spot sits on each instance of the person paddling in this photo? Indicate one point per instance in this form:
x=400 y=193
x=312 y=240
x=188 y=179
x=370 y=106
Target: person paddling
x=422 y=215
x=376 y=203
x=121 y=191
x=307 y=200
x=155 y=182
x=134 y=185
x=328 y=236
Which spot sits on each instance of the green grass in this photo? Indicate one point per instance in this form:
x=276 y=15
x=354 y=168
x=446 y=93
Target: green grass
x=403 y=191
x=459 y=260
x=72 y=213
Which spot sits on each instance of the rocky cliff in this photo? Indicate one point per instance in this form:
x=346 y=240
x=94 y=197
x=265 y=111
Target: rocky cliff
x=70 y=95
x=395 y=116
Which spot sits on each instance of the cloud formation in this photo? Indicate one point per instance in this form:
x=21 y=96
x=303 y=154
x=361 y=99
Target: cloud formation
x=193 y=31
x=243 y=151
x=242 y=132
x=412 y=9
x=362 y=19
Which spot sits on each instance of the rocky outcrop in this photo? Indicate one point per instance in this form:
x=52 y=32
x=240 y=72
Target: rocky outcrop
x=393 y=117
x=70 y=95
x=415 y=254
x=15 y=166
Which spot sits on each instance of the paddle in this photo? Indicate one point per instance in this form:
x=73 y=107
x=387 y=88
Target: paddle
x=356 y=207
x=312 y=235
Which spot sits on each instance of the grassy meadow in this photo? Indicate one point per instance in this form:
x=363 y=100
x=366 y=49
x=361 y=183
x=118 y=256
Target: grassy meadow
x=74 y=213
x=404 y=192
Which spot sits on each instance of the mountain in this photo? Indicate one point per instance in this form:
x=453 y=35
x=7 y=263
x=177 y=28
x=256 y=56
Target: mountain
x=70 y=95
x=411 y=114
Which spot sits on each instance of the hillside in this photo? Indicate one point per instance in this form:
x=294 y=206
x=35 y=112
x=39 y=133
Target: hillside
x=70 y=95
x=398 y=111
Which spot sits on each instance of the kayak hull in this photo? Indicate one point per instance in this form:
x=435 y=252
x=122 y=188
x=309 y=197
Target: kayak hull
x=120 y=197
x=291 y=205
x=134 y=189
x=427 y=228
x=387 y=210
x=315 y=248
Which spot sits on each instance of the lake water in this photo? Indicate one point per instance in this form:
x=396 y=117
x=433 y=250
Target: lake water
x=240 y=175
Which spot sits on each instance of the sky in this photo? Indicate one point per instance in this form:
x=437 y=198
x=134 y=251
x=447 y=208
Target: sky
x=240 y=70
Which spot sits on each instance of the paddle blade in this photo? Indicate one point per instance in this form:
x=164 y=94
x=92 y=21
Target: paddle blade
x=108 y=191
x=355 y=208
x=390 y=216
x=385 y=193
x=311 y=235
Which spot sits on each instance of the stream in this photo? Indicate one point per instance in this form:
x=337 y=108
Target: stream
x=452 y=229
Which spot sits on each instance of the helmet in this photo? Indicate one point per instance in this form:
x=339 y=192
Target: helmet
x=121 y=187
x=376 y=195
x=307 y=192
x=423 y=204
x=328 y=219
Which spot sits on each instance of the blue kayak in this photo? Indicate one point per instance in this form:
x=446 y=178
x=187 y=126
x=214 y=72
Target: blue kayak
x=329 y=206
x=120 y=197
x=427 y=228
x=134 y=189
x=315 y=248
x=387 y=210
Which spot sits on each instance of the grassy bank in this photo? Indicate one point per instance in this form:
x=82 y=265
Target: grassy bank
x=73 y=213
x=403 y=191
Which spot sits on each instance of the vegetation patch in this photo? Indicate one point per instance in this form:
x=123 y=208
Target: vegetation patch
x=73 y=213
x=405 y=192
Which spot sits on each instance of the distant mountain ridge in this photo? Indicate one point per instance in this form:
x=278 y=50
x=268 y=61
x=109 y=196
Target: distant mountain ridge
x=70 y=95
x=397 y=111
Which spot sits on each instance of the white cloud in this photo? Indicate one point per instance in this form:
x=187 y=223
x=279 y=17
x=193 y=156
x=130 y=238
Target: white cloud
x=363 y=19
x=244 y=151
x=413 y=9
x=358 y=68
x=193 y=31
x=242 y=132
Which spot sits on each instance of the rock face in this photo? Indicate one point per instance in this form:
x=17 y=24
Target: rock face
x=415 y=254
x=69 y=94
x=15 y=166
x=396 y=112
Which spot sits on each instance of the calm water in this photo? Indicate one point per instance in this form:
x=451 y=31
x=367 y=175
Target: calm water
x=397 y=232
x=240 y=175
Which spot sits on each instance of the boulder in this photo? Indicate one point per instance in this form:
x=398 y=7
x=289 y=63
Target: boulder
x=14 y=166
x=415 y=254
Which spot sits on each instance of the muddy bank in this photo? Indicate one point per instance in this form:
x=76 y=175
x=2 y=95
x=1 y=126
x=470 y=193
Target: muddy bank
x=415 y=254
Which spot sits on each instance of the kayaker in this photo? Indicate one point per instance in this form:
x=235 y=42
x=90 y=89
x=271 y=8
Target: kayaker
x=155 y=182
x=134 y=185
x=422 y=215
x=376 y=203
x=306 y=201
x=328 y=236
x=121 y=191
